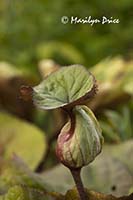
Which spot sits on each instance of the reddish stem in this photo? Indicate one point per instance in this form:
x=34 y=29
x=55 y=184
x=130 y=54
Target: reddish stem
x=79 y=184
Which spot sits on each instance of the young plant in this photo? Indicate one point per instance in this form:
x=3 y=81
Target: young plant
x=80 y=140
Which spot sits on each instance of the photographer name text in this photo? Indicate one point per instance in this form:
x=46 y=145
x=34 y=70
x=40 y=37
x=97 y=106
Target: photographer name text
x=89 y=20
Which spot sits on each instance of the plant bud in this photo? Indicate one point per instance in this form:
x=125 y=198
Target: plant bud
x=80 y=140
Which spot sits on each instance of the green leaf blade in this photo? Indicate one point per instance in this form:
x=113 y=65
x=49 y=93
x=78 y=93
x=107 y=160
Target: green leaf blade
x=63 y=87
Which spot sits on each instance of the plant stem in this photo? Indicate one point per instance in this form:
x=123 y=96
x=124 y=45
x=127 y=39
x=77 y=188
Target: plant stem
x=79 y=184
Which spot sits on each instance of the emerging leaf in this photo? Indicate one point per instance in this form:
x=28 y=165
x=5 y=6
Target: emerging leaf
x=68 y=86
x=78 y=147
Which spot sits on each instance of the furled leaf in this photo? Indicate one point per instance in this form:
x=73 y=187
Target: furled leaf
x=80 y=146
x=21 y=138
x=63 y=87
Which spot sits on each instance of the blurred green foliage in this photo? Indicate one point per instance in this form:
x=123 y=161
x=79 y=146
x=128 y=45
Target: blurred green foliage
x=118 y=126
x=27 y=25
x=19 y=182
x=31 y=31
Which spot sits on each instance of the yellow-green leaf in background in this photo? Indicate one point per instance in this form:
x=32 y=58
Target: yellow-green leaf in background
x=17 y=181
x=20 y=182
x=115 y=81
x=73 y=195
x=18 y=192
x=22 y=138
x=8 y=71
x=111 y=173
x=117 y=126
x=16 y=172
x=23 y=193
x=62 y=50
